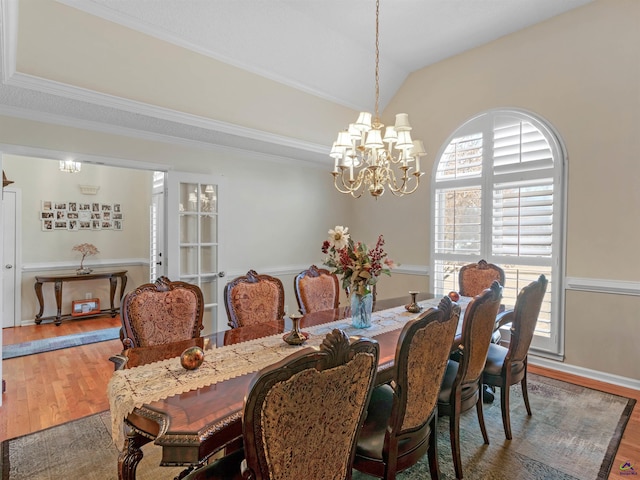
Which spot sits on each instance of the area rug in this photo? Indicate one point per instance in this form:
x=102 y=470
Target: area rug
x=573 y=434
x=56 y=343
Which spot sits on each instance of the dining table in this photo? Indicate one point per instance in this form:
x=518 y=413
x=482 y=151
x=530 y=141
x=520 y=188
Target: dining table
x=193 y=414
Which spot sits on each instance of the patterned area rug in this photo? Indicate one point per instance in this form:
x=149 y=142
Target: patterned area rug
x=573 y=434
x=57 y=343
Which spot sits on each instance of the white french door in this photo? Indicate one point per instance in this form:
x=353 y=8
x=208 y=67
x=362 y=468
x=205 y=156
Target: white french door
x=11 y=292
x=194 y=246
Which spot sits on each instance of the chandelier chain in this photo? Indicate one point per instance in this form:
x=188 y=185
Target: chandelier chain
x=377 y=117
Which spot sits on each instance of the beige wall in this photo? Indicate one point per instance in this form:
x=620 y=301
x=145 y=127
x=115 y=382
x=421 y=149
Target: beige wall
x=581 y=72
x=278 y=212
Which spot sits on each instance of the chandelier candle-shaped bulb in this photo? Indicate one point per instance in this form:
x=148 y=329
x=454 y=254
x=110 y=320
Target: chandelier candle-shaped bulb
x=363 y=159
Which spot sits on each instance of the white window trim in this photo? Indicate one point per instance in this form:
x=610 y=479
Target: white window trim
x=554 y=348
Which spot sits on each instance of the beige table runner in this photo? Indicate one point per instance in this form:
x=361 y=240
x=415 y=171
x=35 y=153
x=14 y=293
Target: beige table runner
x=131 y=388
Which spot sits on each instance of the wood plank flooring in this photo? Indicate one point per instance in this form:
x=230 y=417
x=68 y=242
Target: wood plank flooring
x=51 y=388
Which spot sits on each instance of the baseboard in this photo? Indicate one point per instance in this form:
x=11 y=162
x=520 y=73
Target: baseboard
x=585 y=372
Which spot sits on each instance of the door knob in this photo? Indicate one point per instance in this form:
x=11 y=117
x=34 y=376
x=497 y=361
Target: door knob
x=8 y=266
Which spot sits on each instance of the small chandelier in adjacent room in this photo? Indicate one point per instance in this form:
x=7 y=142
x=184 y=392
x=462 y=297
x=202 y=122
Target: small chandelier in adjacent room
x=364 y=158
x=70 y=166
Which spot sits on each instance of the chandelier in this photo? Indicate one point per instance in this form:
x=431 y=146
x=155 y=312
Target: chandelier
x=364 y=158
x=70 y=166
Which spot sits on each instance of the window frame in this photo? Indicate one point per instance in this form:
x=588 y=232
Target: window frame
x=553 y=346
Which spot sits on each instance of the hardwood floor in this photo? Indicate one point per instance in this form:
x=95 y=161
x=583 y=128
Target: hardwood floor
x=51 y=388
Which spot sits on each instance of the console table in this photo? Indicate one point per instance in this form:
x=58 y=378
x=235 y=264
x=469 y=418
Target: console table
x=59 y=280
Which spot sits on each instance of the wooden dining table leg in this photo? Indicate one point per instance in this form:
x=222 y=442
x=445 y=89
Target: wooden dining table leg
x=130 y=456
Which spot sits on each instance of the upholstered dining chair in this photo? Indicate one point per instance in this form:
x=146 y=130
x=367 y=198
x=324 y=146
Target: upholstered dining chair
x=460 y=388
x=253 y=298
x=401 y=421
x=302 y=415
x=316 y=289
x=161 y=312
x=474 y=278
x=508 y=366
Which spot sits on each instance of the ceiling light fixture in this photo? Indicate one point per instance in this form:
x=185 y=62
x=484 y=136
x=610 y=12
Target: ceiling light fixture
x=70 y=166
x=362 y=161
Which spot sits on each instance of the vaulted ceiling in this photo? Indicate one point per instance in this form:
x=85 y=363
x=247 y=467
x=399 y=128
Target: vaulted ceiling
x=325 y=48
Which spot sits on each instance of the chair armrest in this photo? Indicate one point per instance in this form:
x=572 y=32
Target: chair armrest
x=119 y=361
x=503 y=318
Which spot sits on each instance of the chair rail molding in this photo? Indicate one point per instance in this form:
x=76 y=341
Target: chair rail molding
x=597 y=285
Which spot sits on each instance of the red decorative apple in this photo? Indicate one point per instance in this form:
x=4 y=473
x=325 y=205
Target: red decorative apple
x=454 y=296
x=192 y=358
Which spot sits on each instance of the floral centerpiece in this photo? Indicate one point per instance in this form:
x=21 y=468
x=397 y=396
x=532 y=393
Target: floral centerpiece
x=359 y=266
x=86 y=249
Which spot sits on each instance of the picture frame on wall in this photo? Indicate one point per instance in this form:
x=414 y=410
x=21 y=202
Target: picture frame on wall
x=74 y=216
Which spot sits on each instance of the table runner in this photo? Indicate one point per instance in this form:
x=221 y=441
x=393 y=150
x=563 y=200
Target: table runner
x=131 y=388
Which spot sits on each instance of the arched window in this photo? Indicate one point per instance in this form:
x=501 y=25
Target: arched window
x=498 y=189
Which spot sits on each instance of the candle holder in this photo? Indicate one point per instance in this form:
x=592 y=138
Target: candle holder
x=413 y=307
x=295 y=336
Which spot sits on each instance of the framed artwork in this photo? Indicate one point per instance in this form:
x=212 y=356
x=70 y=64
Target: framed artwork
x=85 y=307
x=74 y=216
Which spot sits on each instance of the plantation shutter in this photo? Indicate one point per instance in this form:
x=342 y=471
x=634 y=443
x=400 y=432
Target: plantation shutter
x=497 y=196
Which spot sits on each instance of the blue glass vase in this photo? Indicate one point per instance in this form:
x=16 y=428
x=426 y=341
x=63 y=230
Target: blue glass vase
x=361 y=307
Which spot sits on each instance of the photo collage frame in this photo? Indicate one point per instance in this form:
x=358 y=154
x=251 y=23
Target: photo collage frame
x=76 y=216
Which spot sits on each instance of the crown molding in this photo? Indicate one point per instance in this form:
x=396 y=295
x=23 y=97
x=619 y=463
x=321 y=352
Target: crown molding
x=59 y=89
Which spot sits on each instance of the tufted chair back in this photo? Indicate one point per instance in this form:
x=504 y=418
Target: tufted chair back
x=252 y=299
x=474 y=278
x=316 y=289
x=302 y=415
x=161 y=312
